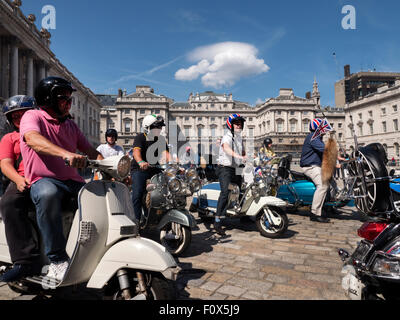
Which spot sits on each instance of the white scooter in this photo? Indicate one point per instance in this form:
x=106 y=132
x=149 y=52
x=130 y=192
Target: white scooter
x=104 y=246
x=254 y=199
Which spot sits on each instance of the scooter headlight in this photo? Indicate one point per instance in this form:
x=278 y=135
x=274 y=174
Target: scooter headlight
x=191 y=173
x=170 y=172
x=174 y=185
x=124 y=167
x=195 y=185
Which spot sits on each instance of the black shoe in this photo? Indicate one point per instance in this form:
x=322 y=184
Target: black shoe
x=20 y=271
x=218 y=228
x=316 y=218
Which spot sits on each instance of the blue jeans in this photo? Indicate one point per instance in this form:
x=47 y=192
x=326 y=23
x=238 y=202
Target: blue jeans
x=139 y=178
x=47 y=195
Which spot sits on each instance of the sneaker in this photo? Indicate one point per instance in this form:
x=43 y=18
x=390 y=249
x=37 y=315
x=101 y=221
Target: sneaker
x=20 y=271
x=57 y=270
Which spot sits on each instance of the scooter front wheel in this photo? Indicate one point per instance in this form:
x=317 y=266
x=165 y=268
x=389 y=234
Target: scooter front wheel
x=272 y=222
x=175 y=238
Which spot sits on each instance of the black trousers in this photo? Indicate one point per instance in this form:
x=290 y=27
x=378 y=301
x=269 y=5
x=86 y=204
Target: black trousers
x=226 y=176
x=14 y=207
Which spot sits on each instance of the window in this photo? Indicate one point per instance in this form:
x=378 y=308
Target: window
x=370 y=113
x=371 y=129
x=127 y=126
x=383 y=111
x=250 y=119
x=395 y=108
x=384 y=128
x=293 y=126
x=280 y=140
x=127 y=111
x=251 y=132
x=187 y=132
x=292 y=113
x=280 y=126
x=305 y=127
x=126 y=141
x=340 y=136
x=212 y=105
x=212 y=119
x=360 y=115
x=157 y=111
x=213 y=131
x=200 y=118
x=396 y=125
x=199 y=131
x=142 y=111
x=278 y=112
x=340 y=125
x=360 y=129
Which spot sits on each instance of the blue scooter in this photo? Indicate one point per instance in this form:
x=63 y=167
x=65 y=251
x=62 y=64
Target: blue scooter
x=298 y=190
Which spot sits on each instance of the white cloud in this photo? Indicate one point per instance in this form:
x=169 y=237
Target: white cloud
x=223 y=64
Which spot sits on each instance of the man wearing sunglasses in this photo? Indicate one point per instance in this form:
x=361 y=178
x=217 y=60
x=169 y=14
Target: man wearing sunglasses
x=149 y=148
x=49 y=138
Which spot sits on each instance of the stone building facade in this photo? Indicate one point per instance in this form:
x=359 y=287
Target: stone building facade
x=375 y=118
x=26 y=58
x=201 y=120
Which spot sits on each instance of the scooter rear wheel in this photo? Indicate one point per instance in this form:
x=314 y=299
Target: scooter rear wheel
x=272 y=223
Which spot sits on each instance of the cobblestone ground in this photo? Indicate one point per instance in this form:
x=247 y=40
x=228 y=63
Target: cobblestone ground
x=303 y=265
x=244 y=265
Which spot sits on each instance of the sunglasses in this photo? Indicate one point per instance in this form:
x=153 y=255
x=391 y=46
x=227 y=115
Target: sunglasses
x=64 y=98
x=17 y=115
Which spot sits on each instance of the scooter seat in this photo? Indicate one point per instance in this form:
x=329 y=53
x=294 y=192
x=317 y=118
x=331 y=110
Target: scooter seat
x=298 y=176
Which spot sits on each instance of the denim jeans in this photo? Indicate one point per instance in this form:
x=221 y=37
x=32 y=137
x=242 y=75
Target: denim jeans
x=226 y=176
x=47 y=195
x=139 y=178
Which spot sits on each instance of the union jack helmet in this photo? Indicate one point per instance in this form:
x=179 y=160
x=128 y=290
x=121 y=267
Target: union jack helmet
x=232 y=118
x=314 y=124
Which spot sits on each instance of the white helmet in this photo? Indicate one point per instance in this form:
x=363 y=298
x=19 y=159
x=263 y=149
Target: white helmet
x=151 y=122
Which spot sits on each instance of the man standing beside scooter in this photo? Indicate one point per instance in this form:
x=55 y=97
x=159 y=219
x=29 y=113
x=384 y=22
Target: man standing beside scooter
x=232 y=157
x=311 y=161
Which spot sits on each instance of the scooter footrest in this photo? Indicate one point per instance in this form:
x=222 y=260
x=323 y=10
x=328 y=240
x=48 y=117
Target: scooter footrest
x=45 y=282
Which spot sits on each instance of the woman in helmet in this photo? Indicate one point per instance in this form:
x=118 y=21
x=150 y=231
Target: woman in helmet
x=148 y=149
x=266 y=149
x=110 y=148
x=232 y=157
x=16 y=201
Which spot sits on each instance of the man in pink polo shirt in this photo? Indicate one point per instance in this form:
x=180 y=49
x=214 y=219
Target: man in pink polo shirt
x=49 y=138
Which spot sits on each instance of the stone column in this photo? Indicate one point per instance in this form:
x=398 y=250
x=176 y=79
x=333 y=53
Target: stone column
x=4 y=75
x=14 y=64
x=41 y=71
x=29 y=74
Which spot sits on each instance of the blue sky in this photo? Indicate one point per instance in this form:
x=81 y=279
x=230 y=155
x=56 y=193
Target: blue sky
x=248 y=48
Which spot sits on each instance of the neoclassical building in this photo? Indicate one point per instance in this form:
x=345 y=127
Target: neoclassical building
x=202 y=118
x=375 y=118
x=26 y=58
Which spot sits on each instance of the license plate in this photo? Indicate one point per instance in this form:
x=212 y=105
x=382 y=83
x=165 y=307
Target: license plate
x=362 y=250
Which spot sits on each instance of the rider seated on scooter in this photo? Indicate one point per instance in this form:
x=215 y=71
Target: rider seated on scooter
x=49 y=139
x=16 y=201
x=311 y=161
x=148 y=148
x=232 y=157
x=110 y=148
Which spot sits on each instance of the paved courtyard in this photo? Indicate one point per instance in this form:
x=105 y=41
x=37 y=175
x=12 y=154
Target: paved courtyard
x=244 y=265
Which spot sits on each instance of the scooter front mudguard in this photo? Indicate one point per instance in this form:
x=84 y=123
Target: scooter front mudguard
x=134 y=253
x=257 y=205
x=181 y=217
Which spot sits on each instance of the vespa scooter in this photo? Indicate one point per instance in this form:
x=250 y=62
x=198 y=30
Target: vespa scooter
x=105 y=249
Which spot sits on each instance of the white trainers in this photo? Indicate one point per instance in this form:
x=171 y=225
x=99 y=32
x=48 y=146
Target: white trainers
x=57 y=270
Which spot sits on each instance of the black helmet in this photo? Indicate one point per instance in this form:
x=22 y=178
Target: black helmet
x=46 y=91
x=112 y=133
x=267 y=142
x=17 y=103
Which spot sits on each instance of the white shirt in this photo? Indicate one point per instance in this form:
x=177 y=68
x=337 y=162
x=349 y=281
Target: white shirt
x=107 y=151
x=236 y=144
